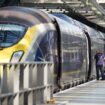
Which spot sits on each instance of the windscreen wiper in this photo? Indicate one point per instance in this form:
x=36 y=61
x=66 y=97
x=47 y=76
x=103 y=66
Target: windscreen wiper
x=14 y=33
x=1 y=48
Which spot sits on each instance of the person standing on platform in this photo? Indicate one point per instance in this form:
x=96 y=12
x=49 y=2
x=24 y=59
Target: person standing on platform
x=99 y=58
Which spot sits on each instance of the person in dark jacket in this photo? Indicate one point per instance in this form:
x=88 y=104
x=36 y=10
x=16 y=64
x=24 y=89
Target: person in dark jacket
x=99 y=58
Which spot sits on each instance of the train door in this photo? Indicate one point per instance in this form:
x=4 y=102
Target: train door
x=57 y=60
x=88 y=72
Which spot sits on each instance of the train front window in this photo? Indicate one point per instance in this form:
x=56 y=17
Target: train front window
x=10 y=34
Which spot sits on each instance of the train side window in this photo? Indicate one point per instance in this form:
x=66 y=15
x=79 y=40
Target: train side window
x=72 y=56
x=46 y=47
x=75 y=55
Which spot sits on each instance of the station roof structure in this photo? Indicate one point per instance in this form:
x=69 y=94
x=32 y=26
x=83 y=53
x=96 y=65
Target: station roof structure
x=90 y=12
x=87 y=11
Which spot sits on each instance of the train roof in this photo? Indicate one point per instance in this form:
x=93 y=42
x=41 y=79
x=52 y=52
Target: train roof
x=64 y=17
x=23 y=16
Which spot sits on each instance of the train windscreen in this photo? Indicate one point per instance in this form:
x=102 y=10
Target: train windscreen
x=10 y=34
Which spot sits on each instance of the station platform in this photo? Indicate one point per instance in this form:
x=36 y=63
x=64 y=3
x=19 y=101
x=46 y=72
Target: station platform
x=91 y=93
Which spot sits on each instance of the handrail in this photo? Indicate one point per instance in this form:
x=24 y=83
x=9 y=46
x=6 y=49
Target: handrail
x=26 y=82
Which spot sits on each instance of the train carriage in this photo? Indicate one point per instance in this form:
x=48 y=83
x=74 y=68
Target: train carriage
x=73 y=51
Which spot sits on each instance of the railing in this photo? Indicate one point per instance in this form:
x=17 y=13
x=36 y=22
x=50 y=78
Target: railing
x=25 y=83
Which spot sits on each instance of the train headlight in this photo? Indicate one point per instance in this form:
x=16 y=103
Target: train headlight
x=16 y=57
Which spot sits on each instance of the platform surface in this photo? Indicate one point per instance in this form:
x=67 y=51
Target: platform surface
x=91 y=93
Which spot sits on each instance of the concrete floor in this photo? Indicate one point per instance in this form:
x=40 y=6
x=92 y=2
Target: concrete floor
x=91 y=93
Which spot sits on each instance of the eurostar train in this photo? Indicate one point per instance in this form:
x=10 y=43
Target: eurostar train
x=28 y=34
